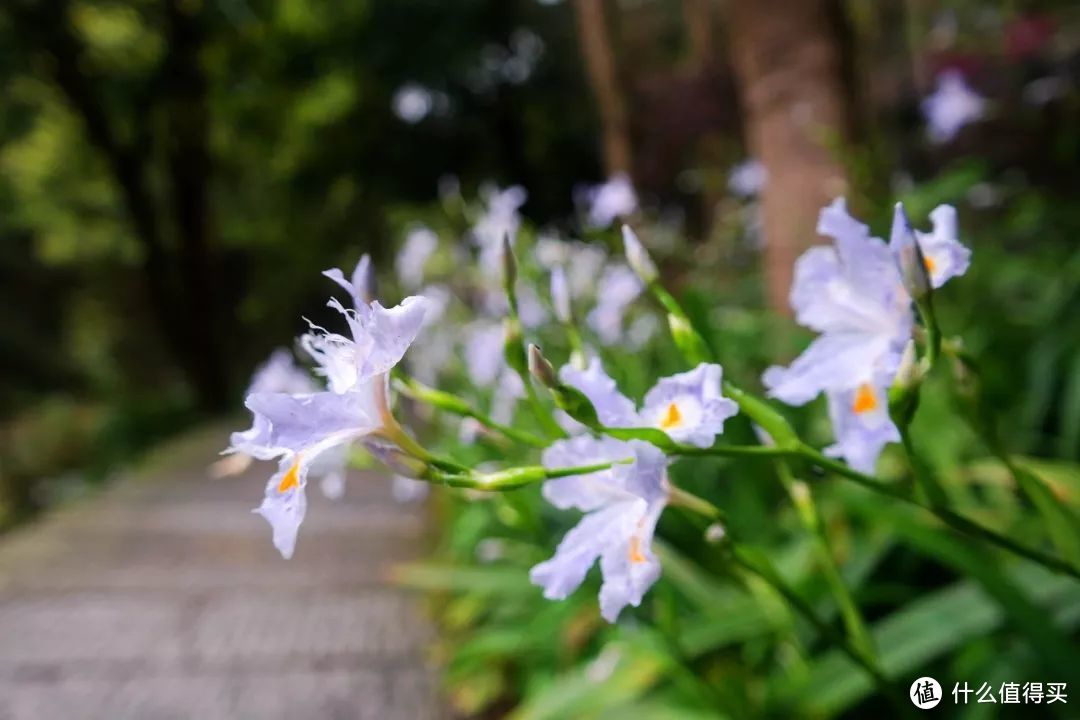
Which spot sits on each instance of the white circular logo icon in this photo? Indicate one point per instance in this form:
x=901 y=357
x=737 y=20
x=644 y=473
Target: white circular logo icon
x=925 y=693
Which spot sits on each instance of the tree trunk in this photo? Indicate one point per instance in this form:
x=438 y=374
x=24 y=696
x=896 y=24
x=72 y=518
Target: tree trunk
x=189 y=169
x=788 y=64
x=698 y=21
x=611 y=105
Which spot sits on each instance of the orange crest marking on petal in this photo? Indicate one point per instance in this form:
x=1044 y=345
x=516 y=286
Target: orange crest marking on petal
x=636 y=555
x=929 y=263
x=865 y=399
x=291 y=478
x=672 y=418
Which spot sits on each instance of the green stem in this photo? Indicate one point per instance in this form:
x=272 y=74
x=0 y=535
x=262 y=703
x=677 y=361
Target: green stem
x=925 y=307
x=803 y=499
x=543 y=415
x=767 y=417
x=950 y=518
x=925 y=481
x=765 y=451
x=513 y=478
x=684 y=499
x=413 y=388
x=666 y=299
x=393 y=431
x=764 y=571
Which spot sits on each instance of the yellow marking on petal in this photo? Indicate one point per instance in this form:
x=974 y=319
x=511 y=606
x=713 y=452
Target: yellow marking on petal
x=291 y=478
x=929 y=263
x=672 y=418
x=865 y=400
x=636 y=555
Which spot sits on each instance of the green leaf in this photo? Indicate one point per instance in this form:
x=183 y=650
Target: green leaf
x=1058 y=655
x=925 y=629
x=1068 y=445
x=1061 y=523
x=591 y=688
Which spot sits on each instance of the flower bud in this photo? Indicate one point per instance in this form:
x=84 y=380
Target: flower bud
x=541 y=368
x=567 y=398
x=715 y=533
x=510 y=271
x=904 y=392
x=638 y=256
x=909 y=256
x=560 y=296
x=690 y=343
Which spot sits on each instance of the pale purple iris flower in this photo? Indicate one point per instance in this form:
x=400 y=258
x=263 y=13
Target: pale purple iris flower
x=485 y=363
x=300 y=428
x=279 y=373
x=560 y=295
x=854 y=295
x=951 y=106
x=748 y=178
x=436 y=345
x=944 y=255
x=611 y=201
x=619 y=286
x=504 y=400
x=361 y=286
x=484 y=358
x=612 y=407
x=420 y=244
x=412 y=103
x=623 y=503
x=499 y=219
x=689 y=406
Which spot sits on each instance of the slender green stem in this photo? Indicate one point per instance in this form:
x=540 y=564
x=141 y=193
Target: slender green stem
x=764 y=451
x=513 y=478
x=924 y=477
x=1061 y=522
x=701 y=506
x=542 y=413
x=933 y=330
x=762 y=570
x=950 y=518
x=767 y=417
x=666 y=299
x=803 y=499
x=410 y=387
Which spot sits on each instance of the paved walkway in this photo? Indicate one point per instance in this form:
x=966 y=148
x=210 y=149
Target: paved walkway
x=163 y=598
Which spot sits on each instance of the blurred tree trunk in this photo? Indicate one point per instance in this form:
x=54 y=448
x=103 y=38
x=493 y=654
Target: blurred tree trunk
x=698 y=21
x=186 y=120
x=789 y=67
x=600 y=63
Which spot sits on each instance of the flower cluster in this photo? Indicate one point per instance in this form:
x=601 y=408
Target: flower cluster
x=600 y=453
x=855 y=295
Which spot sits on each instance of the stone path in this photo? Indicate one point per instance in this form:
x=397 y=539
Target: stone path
x=164 y=599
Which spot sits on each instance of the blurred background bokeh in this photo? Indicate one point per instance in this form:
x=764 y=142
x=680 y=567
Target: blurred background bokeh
x=175 y=174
